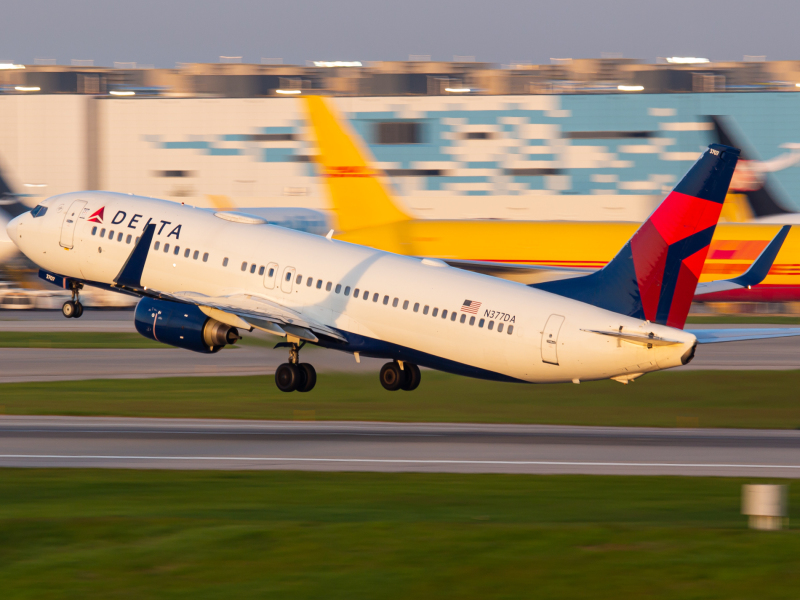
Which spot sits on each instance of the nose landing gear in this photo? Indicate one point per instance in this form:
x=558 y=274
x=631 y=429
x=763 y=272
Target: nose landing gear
x=73 y=309
x=400 y=376
x=294 y=375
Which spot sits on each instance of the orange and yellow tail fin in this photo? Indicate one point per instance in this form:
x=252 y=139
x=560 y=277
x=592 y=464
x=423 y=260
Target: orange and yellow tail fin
x=358 y=196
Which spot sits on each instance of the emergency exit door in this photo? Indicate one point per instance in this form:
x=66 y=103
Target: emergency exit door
x=70 y=222
x=550 y=339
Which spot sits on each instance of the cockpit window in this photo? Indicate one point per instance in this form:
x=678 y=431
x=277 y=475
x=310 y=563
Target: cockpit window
x=39 y=211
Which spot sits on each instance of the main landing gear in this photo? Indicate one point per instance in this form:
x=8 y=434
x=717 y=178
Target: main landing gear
x=400 y=376
x=73 y=309
x=295 y=376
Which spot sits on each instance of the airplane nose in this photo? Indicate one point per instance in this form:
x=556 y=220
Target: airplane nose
x=12 y=228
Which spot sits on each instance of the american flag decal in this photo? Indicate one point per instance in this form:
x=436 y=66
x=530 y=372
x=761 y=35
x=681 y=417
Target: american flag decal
x=470 y=306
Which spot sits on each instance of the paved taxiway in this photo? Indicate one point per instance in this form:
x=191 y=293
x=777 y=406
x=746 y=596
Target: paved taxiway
x=394 y=447
x=25 y=364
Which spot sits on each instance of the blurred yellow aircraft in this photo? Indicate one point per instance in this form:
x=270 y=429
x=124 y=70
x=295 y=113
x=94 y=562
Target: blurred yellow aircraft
x=525 y=251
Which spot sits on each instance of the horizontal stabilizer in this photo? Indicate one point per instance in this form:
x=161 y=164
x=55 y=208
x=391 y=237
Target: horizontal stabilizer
x=637 y=338
x=754 y=275
x=714 y=336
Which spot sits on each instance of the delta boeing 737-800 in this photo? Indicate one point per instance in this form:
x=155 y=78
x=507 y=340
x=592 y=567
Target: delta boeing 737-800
x=203 y=277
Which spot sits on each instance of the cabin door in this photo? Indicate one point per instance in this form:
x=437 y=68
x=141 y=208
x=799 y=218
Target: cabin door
x=70 y=222
x=550 y=339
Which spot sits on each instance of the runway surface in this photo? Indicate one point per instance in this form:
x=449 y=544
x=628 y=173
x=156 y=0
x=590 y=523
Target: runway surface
x=45 y=364
x=394 y=447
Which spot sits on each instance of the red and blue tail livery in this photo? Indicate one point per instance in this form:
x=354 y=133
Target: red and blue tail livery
x=655 y=274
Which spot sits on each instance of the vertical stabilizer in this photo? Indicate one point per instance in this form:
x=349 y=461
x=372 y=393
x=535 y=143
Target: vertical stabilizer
x=358 y=196
x=655 y=274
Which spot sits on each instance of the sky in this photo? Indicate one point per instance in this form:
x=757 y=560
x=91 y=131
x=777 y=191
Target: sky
x=165 y=32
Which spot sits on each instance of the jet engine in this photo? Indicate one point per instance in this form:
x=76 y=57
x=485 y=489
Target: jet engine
x=182 y=325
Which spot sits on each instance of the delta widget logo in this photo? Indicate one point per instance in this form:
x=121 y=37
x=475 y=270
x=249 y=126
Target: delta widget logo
x=97 y=216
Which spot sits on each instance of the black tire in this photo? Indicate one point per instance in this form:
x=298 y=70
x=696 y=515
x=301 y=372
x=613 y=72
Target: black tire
x=309 y=379
x=392 y=377
x=413 y=377
x=287 y=377
x=68 y=309
x=78 y=310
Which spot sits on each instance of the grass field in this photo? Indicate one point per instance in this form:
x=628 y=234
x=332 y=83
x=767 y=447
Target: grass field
x=761 y=399
x=160 y=534
x=77 y=339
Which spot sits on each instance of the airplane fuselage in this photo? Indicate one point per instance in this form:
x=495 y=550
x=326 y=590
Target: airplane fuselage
x=385 y=305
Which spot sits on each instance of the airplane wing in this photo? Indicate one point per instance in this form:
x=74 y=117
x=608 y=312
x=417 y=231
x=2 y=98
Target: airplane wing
x=256 y=311
x=714 y=336
x=754 y=275
x=505 y=270
x=238 y=310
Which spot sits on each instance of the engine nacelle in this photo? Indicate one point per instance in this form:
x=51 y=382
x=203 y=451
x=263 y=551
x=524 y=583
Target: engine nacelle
x=182 y=325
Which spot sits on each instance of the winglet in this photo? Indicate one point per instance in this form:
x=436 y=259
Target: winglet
x=131 y=274
x=754 y=275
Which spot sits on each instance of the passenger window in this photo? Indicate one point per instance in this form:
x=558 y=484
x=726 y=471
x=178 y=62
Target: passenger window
x=347 y=291
x=435 y=311
x=111 y=235
x=244 y=266
x=405 y=305
x=205 y=257
x=425 y=310
x=289 y=276
x=510 y=329
x=472 y=320
x=253 y=268
x=177 y=250
x=128 y=239
x=328 y=286
x=225 y=262
x=499 y=328
x=394 y=302
x=156 y=246
x=375 y=296
x=481 y=322
x=137 y=240
x=299 y=280
x=453 y=316
x=196 y=254
x=309 y=281
x=463 y=318
x=187 y=253
x=319 y=284
x=366 y=295
x=119 y=236
x=355 y=293
x=94 y=230
x=444 y=314
x=491 y=325
x=338 y=288
x=416 y=307
x=385 y=300
x=166 y=248
x=103 y=233
x=271 y=271
x=261 y=270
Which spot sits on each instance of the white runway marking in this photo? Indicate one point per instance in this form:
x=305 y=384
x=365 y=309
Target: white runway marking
x=410 y=461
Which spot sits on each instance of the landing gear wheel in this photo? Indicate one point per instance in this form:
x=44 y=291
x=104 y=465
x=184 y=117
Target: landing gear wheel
x=69 y=309
x=78 y=310
x=412 y=379
x=288 y=377
x=309 y=379
x=392 y=377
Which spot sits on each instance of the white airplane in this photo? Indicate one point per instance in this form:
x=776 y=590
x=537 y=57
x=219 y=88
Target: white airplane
x=202 y=277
